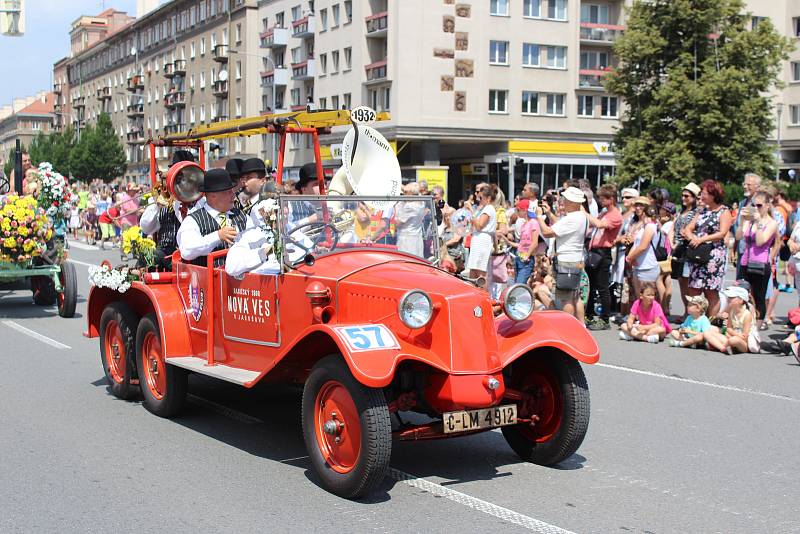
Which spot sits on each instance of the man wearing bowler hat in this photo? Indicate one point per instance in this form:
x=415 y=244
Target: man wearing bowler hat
x=253 y=177
x=234 y=168
x=300 y=211
x=215 y=225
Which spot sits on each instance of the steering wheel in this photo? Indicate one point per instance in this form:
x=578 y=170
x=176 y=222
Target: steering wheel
x=319 y=236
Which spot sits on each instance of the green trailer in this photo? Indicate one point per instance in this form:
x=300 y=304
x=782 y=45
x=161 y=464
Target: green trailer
x=52 y=283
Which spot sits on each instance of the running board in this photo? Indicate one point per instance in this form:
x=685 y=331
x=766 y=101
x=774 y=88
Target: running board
x=243 y=377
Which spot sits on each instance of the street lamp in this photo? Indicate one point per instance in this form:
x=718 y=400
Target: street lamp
x=778 y=149
x=274 y=68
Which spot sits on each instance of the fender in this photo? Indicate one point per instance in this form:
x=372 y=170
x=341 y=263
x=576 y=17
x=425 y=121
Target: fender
x=545 y=329
x=374 y=368
x=162 y=299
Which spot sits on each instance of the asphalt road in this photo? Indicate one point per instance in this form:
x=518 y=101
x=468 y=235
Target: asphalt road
x=679 y=441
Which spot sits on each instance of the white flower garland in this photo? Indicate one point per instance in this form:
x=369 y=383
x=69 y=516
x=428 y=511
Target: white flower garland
x=115 y=279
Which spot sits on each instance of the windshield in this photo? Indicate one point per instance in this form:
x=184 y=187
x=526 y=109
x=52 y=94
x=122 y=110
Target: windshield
x=321 y=225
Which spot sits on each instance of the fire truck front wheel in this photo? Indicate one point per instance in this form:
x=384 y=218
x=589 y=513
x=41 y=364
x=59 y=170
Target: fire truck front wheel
x=118 y=348
x=346 y=428
x=163 y=386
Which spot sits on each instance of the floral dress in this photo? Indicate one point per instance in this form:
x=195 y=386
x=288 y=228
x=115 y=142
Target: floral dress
x=710 y=275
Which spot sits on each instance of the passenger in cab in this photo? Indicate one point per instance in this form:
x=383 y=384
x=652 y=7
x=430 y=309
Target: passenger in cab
x=254 y=250
x=253 y=176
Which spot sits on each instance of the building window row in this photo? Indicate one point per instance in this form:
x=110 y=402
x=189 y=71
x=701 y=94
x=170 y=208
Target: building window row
x=533 y=55
x=553 y=104
x=547 y=9
x=335 y=11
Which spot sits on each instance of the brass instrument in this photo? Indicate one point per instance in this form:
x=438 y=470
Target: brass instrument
x=342 y=221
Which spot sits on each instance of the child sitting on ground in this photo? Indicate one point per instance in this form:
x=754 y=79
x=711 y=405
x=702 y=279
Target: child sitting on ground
x=736 y=335
x=690 y=333
x=646 y=321
x=542 y=284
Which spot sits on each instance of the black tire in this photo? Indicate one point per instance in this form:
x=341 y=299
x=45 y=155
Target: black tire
x=69 y=286
x=44 y=291
x=172 y=397
x=573 y=393
x=119 y=378
x=375 y=447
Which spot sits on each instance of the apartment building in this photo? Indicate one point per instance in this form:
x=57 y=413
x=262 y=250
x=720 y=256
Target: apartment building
x=24 y=120
x=182 y=64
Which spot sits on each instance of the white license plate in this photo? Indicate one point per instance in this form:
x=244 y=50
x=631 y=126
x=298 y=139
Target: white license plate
x=477 y=419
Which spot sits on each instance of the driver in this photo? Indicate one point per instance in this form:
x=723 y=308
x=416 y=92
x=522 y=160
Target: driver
x=302 y=212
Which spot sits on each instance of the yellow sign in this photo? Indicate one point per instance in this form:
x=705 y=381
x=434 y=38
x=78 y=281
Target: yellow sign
x=552 y=147
x=434 y=176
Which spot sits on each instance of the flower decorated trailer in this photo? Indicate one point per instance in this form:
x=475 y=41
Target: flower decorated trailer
x=26 y=230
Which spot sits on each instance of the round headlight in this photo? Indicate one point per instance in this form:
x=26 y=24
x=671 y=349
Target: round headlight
x=415 y=309
x=518 y=302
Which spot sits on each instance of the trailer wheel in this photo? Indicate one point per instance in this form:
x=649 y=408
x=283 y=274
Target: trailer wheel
x=118 y=348
x=555 y=391
x=68 y=297
x=163 y=386
x=44 y=291
x=346 y=428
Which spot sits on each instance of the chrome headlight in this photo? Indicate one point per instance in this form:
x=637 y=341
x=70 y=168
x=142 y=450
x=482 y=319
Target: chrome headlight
x=517 y=302
x=415 y=309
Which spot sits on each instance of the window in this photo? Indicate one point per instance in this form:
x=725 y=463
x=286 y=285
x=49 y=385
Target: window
x=191 y=50
x=386 y=97
x=335 y=61
x=295 y=95
x=794 y=115
x=348 y=58
x=279 y=20
x=795 y=71
x=335 y=13
x=557 y=57
x=191 y=114
x=238 y=145
x=530 y=55
x=532 y=8
x=238 y=108
x=335 y=102
x=323 y=20
x=238 y=70
x=498 y=8
x=557 y=9
x=348 y=11
x=608 y=107
x=323 y=103
x=265 y=24
x=755 y=21
x=202 y=80
x=585 y=106
x=296 y=13
x=202 y=46
x=595 y=14
x=202 y=113
x=238 y=33
x=594 y=60
x=372 y=98
x=498 y=101
x=348 y=101
x=530 y=102
x=555 y=104
x=191 y=81
x=296 y=55
x=498 y=52
x=213 y=41
x=323 y=64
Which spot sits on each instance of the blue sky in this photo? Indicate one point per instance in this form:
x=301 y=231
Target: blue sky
x=26 y=63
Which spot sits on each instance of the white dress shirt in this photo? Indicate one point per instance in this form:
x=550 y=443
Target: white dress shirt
x=192 y=243
x=249 y=254
x=149 y=222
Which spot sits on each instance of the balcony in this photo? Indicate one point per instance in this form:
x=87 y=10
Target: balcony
x=220 y=89
x=175 y=99
x=600 y=34
x=592 y=78
x=299 y=107
x=275 y=38
x=135 y=136
x=305 y=70
x=169 y=70
x=220 y=53
x=136 y=82
x=135 y=110
x=104 y=93
x=277 y=111
x=57 y=88
x=302 y=28
x=79 y=102
x=219 y=118
x=174 y=127
x=376 y=72
x=278 y=77
x=180 y=67
x=377 y=24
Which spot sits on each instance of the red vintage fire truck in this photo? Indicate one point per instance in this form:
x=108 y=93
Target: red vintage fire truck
x=370 y=328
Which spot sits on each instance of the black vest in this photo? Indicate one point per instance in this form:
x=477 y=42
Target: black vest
x=209 y=225
x=166 y=239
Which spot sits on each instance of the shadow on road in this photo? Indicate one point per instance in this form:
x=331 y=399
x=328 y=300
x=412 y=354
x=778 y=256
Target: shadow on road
x=19 y=305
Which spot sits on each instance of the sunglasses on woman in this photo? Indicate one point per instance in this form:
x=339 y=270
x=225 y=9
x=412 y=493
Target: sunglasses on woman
x=759 y=206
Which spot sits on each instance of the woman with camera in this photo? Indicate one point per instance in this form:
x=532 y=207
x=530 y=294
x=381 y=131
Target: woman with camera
x=484 y=224
x=680 y=267
x=758 y=231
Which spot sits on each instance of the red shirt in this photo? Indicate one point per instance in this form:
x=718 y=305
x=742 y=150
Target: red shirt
x=604 y=237
x=106 y=217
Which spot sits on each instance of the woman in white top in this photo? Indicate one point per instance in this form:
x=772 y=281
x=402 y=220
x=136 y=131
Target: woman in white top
x=642 y=256
x=484 y=225
x=409 y=217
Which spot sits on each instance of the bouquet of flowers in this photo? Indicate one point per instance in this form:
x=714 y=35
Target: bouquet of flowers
x=55 y=195
x=117 y=279
x=143 y=248
x=24 y=229
x=268 y=210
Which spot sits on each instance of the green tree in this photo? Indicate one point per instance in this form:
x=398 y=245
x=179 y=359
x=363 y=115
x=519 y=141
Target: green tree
x=98 y=153
x=696 y=84
x=80 y=159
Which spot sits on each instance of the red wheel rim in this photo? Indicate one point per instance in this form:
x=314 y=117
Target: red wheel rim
x=337 y=427
x=155 y=368
x=544 y=400
x=115 y=351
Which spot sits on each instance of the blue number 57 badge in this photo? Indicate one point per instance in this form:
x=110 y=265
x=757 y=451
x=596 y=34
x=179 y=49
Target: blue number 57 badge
x=360 y=338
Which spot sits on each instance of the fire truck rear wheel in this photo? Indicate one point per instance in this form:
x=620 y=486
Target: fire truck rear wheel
x=118 y=348
x=163 y=386
x=346 y=428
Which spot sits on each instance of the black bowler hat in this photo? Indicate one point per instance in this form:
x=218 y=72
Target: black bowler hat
x=308 y=172
x=254 y=165
x=234 y=168
x=217 y=180
x=182 y=155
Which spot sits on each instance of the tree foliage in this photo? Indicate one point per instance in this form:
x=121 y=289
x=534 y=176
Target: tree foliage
x=696 y=82
x=98 y=153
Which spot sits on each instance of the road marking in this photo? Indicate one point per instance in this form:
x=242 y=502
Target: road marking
x=479 y=505
x=82 y=246
x=83 y=263
x=35 y=335
x=700 y=382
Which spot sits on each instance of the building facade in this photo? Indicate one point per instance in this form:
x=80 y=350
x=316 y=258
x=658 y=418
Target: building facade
x=24 y=120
